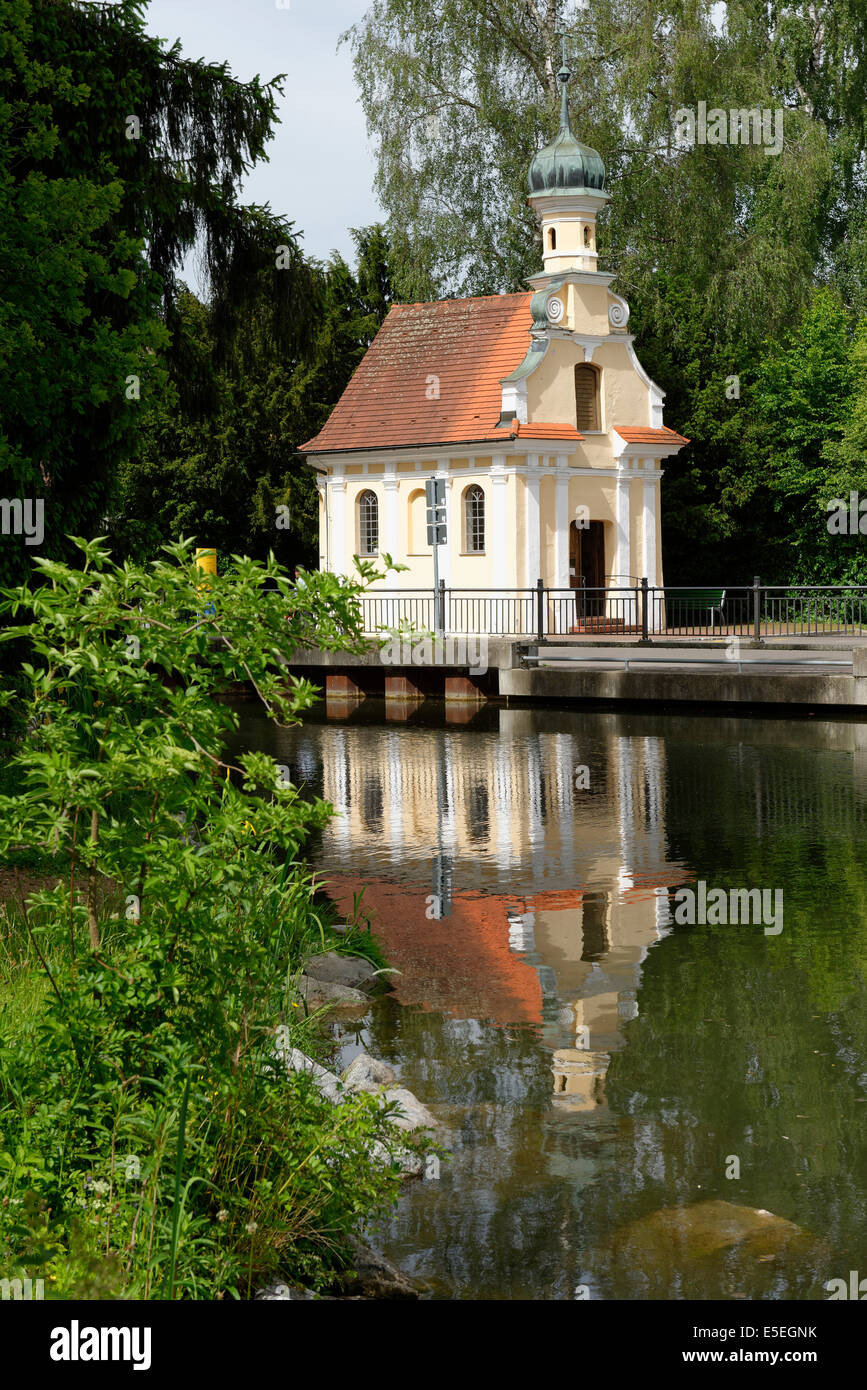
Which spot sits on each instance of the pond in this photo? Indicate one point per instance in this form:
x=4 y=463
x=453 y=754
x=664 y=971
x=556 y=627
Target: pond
x=636 y=1105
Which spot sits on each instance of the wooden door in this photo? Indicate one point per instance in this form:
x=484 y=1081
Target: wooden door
x=587 y=564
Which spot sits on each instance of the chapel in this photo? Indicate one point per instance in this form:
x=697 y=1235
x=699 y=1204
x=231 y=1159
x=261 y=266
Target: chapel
x=532 y=408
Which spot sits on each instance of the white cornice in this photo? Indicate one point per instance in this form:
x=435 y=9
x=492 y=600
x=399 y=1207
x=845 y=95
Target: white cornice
x=575 y=277
x=548 y=205
x=424 y=459
x=635 y=452
x=546 y=466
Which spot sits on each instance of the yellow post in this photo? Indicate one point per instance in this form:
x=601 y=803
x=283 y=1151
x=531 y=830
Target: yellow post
x=206 y=559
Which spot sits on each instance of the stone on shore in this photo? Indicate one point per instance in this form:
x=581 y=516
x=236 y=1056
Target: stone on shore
x=411 y=1165
x=366 y=1073
x=360 y=1076
x=325 y=1081
x=374 y=1276
x=350 y=971
x=287 y=1293
x=316 y=993
x=412 y=1114
x=715 y=1249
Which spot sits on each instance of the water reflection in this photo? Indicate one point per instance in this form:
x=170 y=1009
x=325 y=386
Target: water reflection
x=595 y=1066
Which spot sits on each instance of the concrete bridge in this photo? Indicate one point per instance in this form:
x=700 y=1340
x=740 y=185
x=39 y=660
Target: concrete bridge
x=474 y=668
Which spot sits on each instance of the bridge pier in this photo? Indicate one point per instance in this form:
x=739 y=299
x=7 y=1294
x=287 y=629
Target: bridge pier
x=462 y=688
x=401 y=688
x=342 y=687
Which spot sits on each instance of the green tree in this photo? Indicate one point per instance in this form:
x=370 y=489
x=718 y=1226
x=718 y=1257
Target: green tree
x=480 y=77
x=229 y=471
x=117 y=156
x=162 y=952
x=716 y=247
x=802 y=399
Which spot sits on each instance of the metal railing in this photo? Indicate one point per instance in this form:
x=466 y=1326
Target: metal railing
x=753 y=611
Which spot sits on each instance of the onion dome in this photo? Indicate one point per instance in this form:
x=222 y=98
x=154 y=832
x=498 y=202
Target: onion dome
x=566 y=166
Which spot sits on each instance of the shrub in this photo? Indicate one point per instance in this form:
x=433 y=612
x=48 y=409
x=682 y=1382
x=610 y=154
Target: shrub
x=149 y=1147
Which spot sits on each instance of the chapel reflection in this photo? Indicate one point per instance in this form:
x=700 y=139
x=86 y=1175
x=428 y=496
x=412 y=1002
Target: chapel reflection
x=518 y=876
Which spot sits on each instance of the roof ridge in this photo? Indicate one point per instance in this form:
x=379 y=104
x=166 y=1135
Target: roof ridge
x=464 y=299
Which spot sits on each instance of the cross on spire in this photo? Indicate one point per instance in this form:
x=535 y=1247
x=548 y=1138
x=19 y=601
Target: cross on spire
x=563 y=78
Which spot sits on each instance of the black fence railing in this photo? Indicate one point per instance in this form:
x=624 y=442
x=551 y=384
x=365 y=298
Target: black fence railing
x=543 y=613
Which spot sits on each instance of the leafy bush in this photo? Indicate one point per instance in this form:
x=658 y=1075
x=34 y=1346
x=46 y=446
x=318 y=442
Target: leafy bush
x=149 y=1144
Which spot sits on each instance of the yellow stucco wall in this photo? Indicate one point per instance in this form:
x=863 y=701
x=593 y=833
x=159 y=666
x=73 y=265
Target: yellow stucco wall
x=464 y=570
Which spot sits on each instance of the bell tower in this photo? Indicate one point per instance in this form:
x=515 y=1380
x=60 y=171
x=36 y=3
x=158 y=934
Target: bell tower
x=567 y=190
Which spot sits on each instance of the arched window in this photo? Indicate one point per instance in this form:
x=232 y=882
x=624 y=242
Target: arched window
x=586 y=397
x=417 y=537
x=586 y=236
x=552 y=239
x=368 y=523
x=474 y=520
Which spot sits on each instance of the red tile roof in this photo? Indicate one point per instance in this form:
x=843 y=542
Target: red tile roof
x=468 y=344
x=649 y=436
x=544 y=431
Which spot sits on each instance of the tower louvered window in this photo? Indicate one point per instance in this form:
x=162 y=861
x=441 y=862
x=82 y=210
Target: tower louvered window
x=586 y=398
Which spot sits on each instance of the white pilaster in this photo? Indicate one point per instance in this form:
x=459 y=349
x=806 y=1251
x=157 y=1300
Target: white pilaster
x=622 y=571
x=648 y=525
x=495 y=539
x=337 y=498
x=561 y=523
x=531 y=520
x=390 y=534
x=324 y=522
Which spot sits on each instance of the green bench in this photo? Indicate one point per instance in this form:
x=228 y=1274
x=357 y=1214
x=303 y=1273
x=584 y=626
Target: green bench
x=681 y=603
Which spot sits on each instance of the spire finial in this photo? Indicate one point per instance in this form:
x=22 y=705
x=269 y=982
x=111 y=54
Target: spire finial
x=563 y=77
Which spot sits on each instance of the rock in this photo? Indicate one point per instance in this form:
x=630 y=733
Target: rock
x=411 y=1165
x=325 y=1081
x=712 y=1250
x=352 y=971
x=374 y=1276
x=366 y=1073
x=336 y=1089
x=318 y=992
x=412 y=1114
x=286 y=1293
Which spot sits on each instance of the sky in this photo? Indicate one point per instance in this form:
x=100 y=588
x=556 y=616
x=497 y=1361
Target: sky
x=321 y=168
